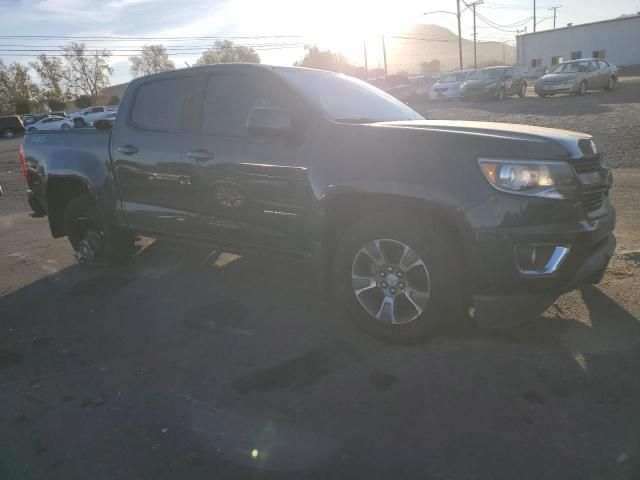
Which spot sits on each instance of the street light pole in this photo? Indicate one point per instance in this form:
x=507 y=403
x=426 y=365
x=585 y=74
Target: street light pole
x=475 y=33
x=459 y=33
x=384 y=56
x=534 y=16
x=366 y=64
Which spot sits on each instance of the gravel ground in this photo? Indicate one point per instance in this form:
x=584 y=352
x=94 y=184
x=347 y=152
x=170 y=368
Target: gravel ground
x=183 y=365
x=613 y=118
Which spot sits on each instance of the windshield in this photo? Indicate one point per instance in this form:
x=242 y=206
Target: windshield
x=454 y=77
x=489 y=74
x=571 y=67
x=347 y=99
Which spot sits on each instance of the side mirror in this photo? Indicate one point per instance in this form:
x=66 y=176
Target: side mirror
x=103 y=124
x=267 y=121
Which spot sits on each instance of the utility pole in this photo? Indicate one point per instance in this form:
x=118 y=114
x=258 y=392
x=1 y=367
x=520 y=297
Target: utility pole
x=534 y=16
x=475 y=33
x=459 y=33
x=384 y=56
x=555 y=14
x=366 y=64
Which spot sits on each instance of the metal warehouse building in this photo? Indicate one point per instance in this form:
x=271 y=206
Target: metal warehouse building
x=617 y=40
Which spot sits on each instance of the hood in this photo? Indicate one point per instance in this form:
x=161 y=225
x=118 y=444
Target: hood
x=559 y=76
x=481 y=82
x=577 y=144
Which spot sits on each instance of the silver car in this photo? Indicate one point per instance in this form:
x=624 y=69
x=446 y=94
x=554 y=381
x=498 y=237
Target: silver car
x=577 y=76
x=449 y=85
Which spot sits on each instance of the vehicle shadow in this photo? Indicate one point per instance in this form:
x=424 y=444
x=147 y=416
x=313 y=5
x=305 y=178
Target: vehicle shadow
x=203 y=363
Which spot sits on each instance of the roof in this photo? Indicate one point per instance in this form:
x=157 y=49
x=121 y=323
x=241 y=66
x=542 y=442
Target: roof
x=617 y=19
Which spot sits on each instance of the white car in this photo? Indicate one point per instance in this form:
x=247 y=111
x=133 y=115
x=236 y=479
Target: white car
x=89 y=115
x=51 y=122
x=449 y=85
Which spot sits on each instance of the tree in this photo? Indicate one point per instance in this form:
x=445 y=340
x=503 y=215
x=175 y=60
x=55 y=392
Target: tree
x=153 y=59
x=83 y=101
x=322 y=59
x=50 y=71
x=86 y=73
x=56 y=105
x=22 y=106
x=430 y=67
x=16 y=87
x=224 y=51
x=114 y=100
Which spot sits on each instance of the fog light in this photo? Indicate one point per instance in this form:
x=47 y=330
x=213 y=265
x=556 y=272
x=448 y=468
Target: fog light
x=535 y=260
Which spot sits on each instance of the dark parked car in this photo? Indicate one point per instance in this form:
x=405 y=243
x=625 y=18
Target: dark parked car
x=11 y=126
x=407 y=221
x=398 y=86
x=495 y=82
x=577 y=77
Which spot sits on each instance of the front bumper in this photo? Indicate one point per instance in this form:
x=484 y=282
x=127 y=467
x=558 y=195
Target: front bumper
x=551 y=89
x=501 y=289
x=479 y=93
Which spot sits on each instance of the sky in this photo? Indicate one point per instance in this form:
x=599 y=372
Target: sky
x=278 y=29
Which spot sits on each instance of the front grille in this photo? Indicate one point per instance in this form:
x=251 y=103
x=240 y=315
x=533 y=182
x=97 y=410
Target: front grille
x=594 y=197
x=587 y=165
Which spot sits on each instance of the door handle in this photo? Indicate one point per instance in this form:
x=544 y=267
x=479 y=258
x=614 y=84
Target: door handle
x=200 y=155
x=127 y=149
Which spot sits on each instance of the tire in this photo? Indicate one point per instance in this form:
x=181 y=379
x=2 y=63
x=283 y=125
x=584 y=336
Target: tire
x=92 y=241
x=611 y=84
x=523 y=91
x=582 y=88
x=79 y=122
x=64 y=126
x=431 y=279
x=542 y=95
x=502 y=93
x=8 y=133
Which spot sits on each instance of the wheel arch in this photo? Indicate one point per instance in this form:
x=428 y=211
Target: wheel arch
x=345 y=209
x=60 y=191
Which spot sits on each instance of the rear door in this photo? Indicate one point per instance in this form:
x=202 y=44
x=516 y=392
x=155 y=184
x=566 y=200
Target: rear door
x=146 y=149
x=604 y=71
x=251 y=190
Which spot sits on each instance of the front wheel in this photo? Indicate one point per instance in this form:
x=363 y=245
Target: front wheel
x=397 y=281
x=611 y=83
x=582 y=88
x=65 y=126
x=93 y=242
x=8 y=133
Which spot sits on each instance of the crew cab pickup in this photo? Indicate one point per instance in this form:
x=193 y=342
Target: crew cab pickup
x=408 y=221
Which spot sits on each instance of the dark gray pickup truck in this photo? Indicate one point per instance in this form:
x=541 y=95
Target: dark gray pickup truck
x=408 y=221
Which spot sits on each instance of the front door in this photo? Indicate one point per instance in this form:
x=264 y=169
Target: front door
x=146 y=148
x=251 y=190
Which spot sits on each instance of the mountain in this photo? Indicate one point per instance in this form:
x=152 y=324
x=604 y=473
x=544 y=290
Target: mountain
x=423 y=43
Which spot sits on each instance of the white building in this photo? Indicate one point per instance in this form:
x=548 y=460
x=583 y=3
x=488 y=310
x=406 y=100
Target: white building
x=617 y=40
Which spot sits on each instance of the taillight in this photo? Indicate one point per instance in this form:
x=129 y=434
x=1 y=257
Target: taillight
x=23 y=162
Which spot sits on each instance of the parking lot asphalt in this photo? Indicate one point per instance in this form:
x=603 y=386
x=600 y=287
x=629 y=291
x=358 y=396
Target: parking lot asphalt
x=185 y=364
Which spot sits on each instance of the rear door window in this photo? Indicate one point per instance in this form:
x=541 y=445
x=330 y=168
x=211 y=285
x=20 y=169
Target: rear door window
x=159 y=105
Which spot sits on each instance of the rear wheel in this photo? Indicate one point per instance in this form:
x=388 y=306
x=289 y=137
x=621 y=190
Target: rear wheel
x=8 y=133
x=65 y=126
x=397 y=281
x=93 y=242
x=523 y=91
x=79 y=122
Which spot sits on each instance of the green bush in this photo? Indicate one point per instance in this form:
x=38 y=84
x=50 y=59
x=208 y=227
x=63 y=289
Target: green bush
x=56 y=105
x=83 y=101
x=114 y=100
x=22 y=106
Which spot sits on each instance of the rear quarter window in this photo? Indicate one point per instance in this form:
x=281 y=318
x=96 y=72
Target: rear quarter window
x=159 y=105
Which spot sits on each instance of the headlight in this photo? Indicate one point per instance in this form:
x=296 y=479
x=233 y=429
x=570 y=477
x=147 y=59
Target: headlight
x=546 y=179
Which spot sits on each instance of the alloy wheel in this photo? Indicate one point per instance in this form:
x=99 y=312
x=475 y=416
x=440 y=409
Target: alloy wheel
x=9 y=133
x=91 y=241
x=390 y=281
